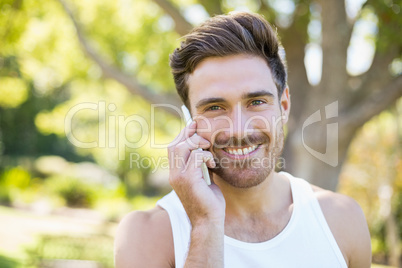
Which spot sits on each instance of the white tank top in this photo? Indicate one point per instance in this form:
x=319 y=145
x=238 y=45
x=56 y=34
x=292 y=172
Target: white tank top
x=306 y=241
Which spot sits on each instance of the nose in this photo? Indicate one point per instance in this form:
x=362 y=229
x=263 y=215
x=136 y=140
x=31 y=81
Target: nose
x=238 y=118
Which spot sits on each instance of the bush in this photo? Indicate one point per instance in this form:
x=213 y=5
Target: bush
x=5 y=198
x=6 y=262
x=12 y=180
x=73 y=191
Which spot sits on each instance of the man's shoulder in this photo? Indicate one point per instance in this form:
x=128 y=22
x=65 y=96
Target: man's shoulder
x=138 y=217
x=336 y=203
x=343 y=214
x=144 y=239
x=347 y=223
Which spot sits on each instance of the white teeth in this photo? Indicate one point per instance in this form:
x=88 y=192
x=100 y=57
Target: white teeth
x=232 y=152
x=243 y=151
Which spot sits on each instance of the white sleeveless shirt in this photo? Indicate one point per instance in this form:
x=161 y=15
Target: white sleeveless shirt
x=305 y=242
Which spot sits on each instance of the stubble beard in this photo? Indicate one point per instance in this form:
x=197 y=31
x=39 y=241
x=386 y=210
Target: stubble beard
x=250 y=172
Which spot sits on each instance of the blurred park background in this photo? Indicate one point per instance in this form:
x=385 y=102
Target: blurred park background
x=84 y=116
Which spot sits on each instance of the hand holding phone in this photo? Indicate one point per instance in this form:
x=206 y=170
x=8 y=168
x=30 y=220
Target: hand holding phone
x=188 y=119
x=202 y=200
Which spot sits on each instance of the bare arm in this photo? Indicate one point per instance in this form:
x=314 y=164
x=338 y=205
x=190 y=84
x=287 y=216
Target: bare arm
x=348 y=225
x=360 y=253
x=144 y=239
x=206 y=248
x=204 y=205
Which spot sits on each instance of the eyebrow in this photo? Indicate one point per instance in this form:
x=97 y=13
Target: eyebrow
x=248 y=95
x=255 y=94
x=206 y=101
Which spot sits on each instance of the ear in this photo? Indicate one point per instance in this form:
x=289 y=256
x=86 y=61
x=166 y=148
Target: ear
x=285 y=105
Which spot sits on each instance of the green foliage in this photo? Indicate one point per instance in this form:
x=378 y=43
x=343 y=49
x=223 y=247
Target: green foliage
x=389 y=17
x=74 y=192
x=6 y=262
x=143 y=202
x=13 y=92
x=15 y=177
x=12 y=24
x=113 y=25
x=47 y=58
x=374 y=180
x=54 y=247
x=12 y=179
x=398 y=206
x=5 y=198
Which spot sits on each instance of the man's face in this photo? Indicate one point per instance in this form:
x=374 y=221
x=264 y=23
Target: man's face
x=235 y=103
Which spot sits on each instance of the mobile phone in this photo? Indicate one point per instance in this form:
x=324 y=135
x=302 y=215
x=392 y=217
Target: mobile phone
x=204 y=168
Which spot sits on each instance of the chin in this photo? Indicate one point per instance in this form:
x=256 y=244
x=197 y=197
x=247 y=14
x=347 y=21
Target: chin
x=243 y=177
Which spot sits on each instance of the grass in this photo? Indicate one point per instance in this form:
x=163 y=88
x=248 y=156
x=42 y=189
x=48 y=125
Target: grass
x=7 y=262
x=23 y=230
x=90 y=248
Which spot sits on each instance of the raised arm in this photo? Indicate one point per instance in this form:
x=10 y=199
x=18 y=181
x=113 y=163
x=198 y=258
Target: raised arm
x=204 y=204
x=145 y=239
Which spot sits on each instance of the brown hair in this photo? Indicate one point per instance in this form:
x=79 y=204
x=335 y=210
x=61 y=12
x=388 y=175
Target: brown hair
x=225 y=35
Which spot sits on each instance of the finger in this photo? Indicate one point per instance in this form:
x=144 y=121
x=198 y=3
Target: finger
x=184 y=148
x=210 y=162
x=184 y=134
x=190 y=129
x=198 y=157
x=192 y=143
x=196 y=141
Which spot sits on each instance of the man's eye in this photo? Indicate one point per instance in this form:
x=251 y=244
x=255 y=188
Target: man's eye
x=257 y=102
x=213 y=108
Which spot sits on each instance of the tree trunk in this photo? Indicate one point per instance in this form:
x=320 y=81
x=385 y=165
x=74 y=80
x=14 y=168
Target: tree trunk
x=318 y=150
x=315 y=149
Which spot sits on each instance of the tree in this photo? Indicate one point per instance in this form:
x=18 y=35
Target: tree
x=355 y=98
x=44 y=75
x=374 y=180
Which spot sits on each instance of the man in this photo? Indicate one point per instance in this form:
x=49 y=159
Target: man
x=230 y=75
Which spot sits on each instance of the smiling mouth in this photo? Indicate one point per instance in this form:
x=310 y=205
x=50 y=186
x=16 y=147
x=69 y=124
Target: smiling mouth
x=240 y=151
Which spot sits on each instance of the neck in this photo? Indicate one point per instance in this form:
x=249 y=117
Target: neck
x=269 y=197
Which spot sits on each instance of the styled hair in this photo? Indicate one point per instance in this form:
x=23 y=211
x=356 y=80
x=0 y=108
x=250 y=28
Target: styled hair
x=226 y=35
